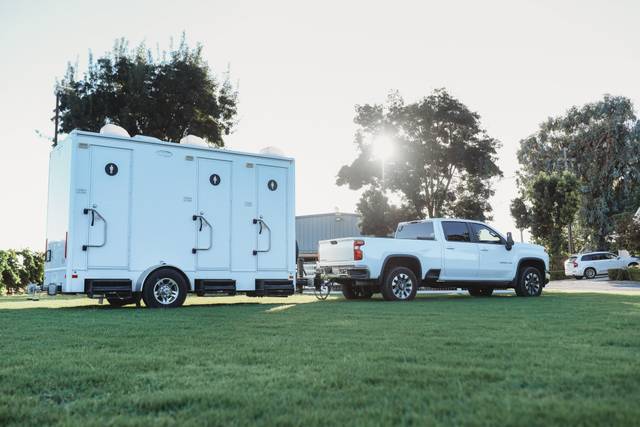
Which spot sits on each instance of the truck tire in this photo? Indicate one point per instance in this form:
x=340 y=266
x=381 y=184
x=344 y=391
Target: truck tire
x=164 y=288
x=480 y=292
x=350 y=291
x=400 y=284
x=529 y=282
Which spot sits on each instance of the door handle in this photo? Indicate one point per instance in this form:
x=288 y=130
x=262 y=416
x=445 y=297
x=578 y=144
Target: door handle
x=484 y=250
x=450 y=249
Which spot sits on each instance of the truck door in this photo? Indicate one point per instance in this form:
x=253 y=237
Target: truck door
x=271 y=223
x=109 y=208
x=460 y=254
x=212 y=221
x=496 y=262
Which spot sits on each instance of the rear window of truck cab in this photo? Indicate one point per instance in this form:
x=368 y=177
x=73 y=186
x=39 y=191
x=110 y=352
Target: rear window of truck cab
x=416 y=231
x=456 y=231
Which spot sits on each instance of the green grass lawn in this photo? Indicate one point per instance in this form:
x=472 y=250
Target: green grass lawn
x=559 y=359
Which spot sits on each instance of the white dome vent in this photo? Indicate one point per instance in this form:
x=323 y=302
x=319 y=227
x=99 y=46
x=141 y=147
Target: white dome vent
x=272 y=151
x=114 y=130
x=194 y=140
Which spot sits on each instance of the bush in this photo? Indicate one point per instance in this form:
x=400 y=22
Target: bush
x=558 y=275
x=619 y=274
x=634 y=273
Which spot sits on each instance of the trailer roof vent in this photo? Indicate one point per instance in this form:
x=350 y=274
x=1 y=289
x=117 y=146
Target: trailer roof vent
x=272 y=151
x=114 y=130
x=194 y=140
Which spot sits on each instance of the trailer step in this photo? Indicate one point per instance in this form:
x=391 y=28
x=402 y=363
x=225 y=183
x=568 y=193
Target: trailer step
x=215 y=286
x=273 y=288
x=108 y=287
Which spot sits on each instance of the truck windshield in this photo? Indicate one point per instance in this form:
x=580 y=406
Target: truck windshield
x=416 y=231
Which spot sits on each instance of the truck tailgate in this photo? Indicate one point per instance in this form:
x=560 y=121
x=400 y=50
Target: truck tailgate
x=336 y=251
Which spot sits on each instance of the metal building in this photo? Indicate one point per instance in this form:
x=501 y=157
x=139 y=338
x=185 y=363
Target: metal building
x=310 y=229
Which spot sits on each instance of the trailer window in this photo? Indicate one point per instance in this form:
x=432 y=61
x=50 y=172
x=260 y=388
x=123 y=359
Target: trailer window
x=416 y=231
x=456 y=231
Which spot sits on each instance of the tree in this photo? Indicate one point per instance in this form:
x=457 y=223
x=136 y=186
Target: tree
x=547 y=206
x=167 y=97
x=442 y=162
x=627 y=232
x=601 y=144
x=379 y=218
x=32 y=267
x=10 y=268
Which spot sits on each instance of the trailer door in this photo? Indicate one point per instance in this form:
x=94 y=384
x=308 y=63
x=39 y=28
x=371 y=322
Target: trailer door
x=109 y=208
x=213 y=219
x=271 y=224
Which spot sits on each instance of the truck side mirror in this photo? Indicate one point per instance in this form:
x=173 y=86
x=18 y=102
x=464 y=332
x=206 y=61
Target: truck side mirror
x=509 y=243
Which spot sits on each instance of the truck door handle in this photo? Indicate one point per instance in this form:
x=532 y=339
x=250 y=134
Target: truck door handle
x=484 y=250
x=450 y=249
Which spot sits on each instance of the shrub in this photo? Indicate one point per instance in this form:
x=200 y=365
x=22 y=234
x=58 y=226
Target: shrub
x=634 y=273
x=558 y=275
x=619 y=274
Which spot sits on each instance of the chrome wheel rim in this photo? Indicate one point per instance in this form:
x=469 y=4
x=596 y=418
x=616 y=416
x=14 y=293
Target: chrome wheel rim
x=532 y=283
x=590 y=273
x=401 y=286
x=166 y=291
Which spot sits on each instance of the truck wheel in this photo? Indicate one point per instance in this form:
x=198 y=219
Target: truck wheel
x=480 y=292
x=400 y=284
x=529 y=283
x=121 y=302
x=355 y=292
x=590 y=273
x=164 y=288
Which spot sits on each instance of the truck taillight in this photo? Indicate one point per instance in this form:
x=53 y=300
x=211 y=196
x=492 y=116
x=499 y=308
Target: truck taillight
x=357 y=251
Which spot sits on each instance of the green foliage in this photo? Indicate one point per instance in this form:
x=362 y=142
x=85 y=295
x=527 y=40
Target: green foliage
x=547 y=206
x=602 y=143
x=619 y=274
x=379 y=218
x=627 y=232
x=442 y=162
x=19 y=268
x=166 y=97
x=562 y=359
x=634 y=273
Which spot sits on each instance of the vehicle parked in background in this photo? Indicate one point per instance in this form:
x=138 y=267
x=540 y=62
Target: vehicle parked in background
x=435 y=253
x=591 y=264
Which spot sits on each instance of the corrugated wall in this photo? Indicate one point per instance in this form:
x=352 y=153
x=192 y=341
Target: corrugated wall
x=312 y=228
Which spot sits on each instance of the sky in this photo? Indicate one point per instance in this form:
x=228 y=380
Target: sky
x=303 y=66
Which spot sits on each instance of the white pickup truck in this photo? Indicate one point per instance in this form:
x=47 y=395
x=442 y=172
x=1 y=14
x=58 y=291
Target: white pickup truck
x=434 y=253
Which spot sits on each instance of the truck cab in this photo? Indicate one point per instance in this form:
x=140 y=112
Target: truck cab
x=437 y=253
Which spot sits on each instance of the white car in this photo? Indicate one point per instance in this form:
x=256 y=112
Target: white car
x=434 y=253
x=591 y=264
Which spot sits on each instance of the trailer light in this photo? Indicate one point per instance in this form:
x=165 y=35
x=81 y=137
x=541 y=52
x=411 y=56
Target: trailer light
x=74 y=276
x=357 y=251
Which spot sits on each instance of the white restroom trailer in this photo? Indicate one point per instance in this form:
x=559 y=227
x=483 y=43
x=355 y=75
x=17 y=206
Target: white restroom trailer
x=136 y=217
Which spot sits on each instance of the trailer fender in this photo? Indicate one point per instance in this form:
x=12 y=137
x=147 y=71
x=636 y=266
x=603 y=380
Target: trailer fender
x=140 y=282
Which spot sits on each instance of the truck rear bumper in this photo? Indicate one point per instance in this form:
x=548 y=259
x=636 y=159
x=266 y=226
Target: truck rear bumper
x=346 y=272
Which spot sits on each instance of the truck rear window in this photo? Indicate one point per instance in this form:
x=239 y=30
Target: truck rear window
x=416 y=231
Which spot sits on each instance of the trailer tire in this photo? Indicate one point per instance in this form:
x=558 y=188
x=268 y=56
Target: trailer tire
x=400 y=284
x=164 y=288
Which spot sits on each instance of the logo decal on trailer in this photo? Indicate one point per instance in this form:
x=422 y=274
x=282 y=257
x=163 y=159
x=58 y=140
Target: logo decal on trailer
x=272 y=184
x=111 y=169
x=214 y=179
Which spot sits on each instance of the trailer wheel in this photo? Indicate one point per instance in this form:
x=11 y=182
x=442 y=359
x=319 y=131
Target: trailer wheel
x=400 y=284
x=164 y=288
